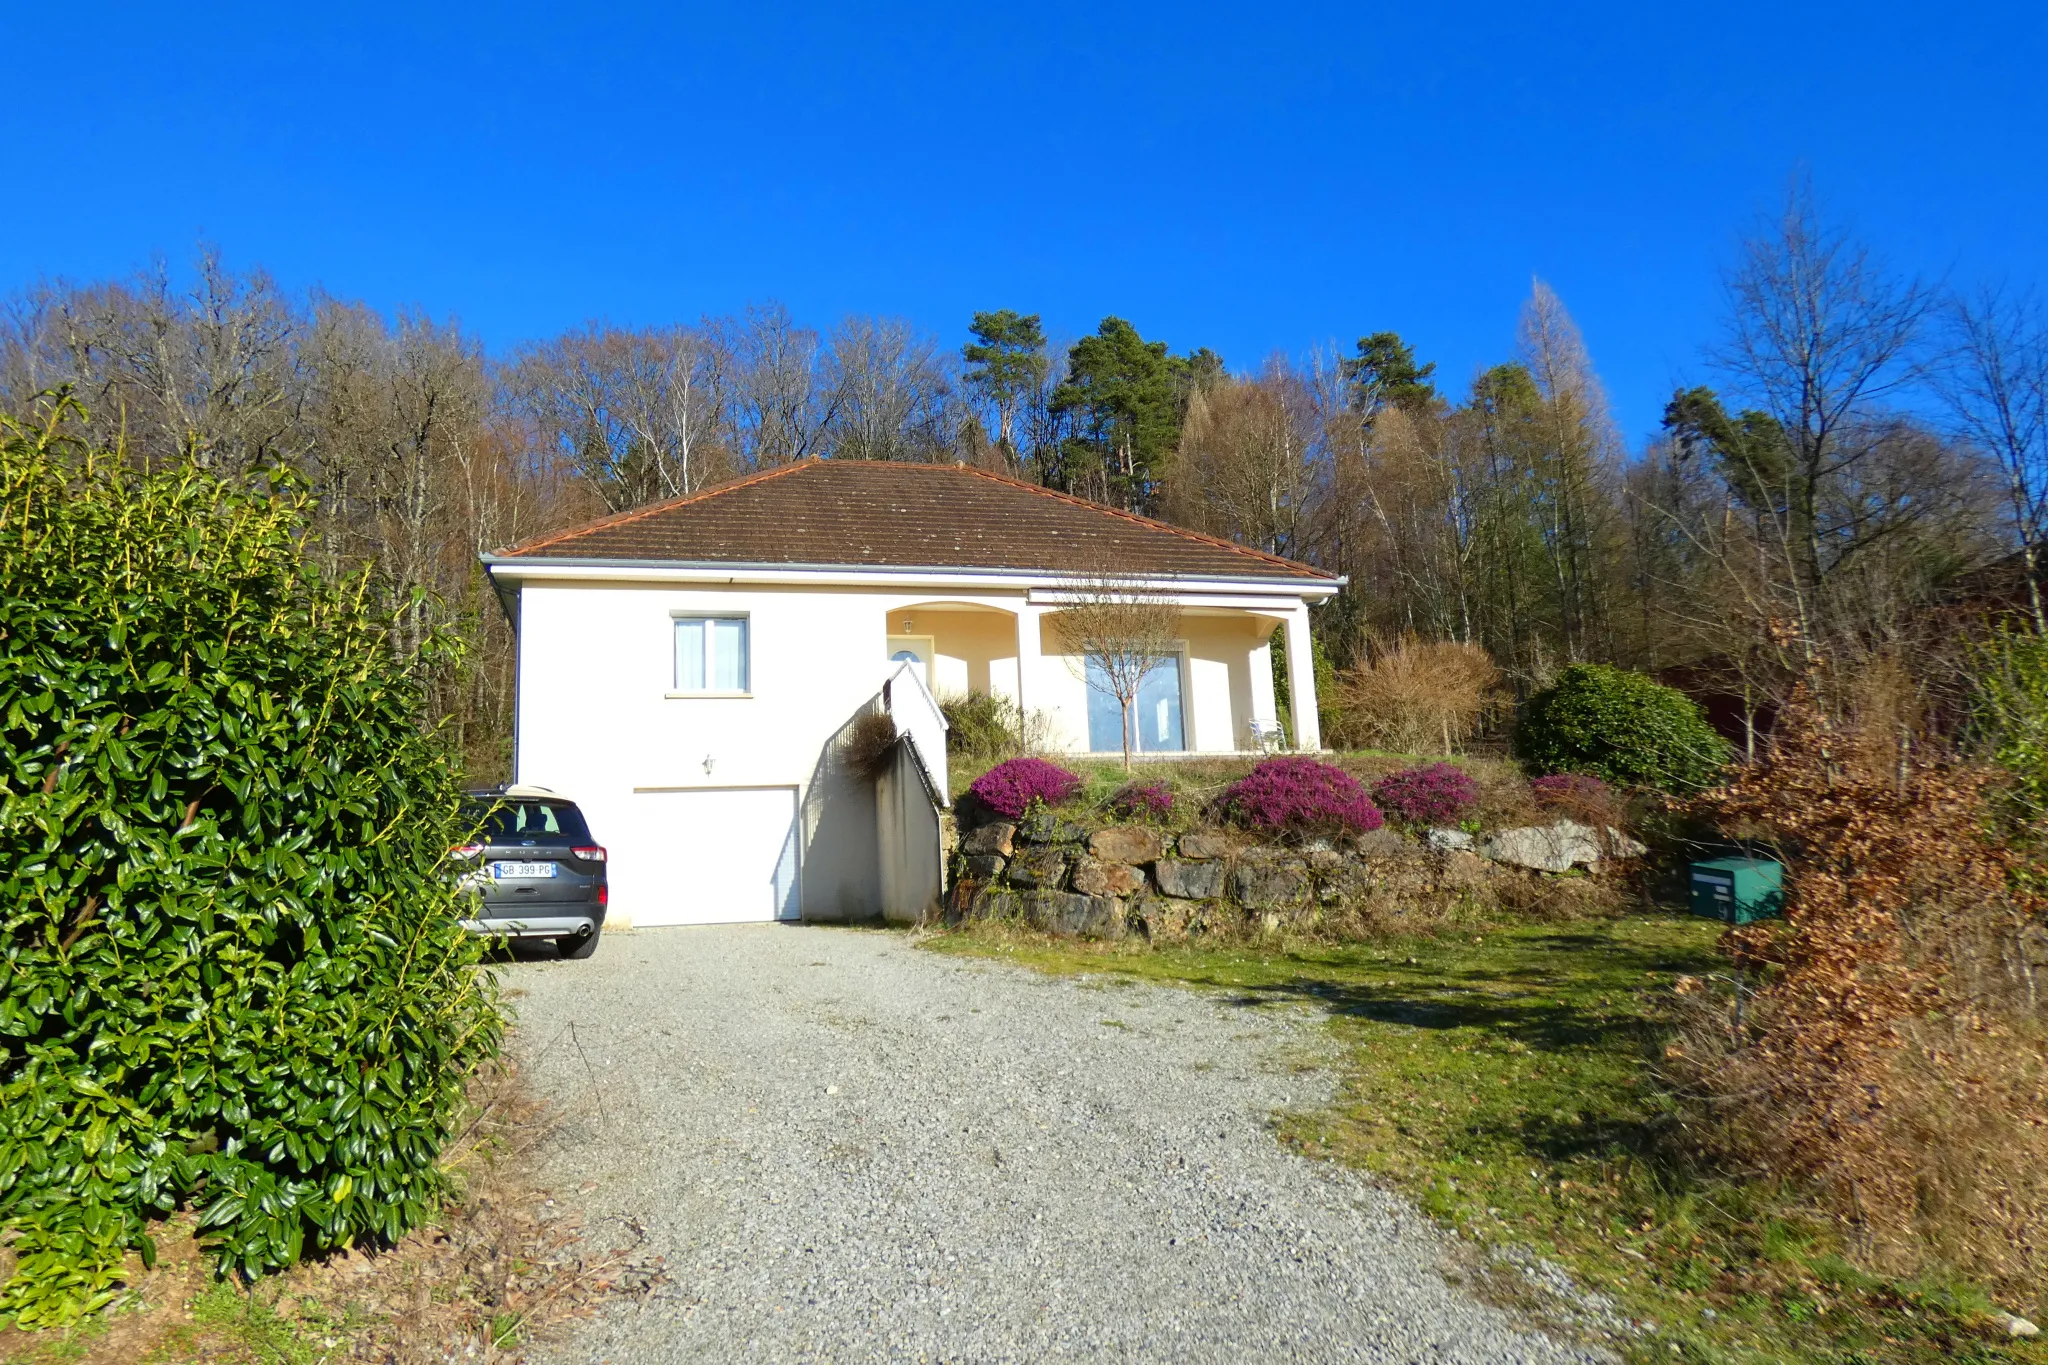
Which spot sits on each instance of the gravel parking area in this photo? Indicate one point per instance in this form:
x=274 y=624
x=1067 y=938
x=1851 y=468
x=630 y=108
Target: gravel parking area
x=849 y=1149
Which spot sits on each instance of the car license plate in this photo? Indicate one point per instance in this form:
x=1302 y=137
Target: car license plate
x=509 y=871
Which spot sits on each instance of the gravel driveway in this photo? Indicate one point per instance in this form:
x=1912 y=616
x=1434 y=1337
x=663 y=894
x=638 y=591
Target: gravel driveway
x=849 y=1149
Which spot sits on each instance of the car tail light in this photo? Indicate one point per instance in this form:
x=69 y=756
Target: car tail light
x=465 y=850
x=589 y=853
x=604 y=896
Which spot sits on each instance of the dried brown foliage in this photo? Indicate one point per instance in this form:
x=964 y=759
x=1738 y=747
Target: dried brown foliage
x=1892 y=1054
x=1547 y=899
x=1417 y=696
x=1589 y=803
x=869 y=741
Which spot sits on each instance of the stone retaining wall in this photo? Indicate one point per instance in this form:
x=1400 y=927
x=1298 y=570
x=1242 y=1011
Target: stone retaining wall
x=1063 y=878
x=1066 y=878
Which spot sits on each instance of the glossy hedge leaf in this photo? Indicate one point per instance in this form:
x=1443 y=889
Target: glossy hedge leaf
x=224 y=903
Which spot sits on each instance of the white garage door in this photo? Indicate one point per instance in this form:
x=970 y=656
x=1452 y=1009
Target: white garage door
x=708 y=857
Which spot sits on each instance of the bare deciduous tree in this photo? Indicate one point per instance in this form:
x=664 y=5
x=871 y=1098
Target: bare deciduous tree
x=1125 y=629
x=207 y=374
x=1819 y=335
x=1573 y=454
x=393 y=423
x=635 y=412
x=1245 y=469
x=1816 y=516
x=892 y=394
x=778 y=406
x=1995 y=382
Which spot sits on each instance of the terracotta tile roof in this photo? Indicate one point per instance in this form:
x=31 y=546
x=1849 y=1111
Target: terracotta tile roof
x=870 y=513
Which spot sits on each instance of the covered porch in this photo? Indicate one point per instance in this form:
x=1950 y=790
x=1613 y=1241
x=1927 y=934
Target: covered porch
x=1214 y=695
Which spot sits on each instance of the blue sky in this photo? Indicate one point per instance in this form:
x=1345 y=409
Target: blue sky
x=1250 y=178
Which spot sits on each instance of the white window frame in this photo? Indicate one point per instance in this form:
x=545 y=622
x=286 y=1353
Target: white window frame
x=1187 y=707
x=704 y=619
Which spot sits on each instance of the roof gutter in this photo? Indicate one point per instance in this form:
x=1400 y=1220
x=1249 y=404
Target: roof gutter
x=507 y=593
x=516 y=567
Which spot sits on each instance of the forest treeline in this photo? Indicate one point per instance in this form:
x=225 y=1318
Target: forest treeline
x=1870 y=444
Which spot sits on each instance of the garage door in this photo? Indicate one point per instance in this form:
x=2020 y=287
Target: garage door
x=717 y=856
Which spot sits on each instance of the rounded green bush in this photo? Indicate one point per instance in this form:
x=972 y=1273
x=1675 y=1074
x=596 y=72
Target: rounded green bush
x=1620 y=726
x=231 y=972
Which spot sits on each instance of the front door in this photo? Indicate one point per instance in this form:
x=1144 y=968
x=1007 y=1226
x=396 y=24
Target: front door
x=915 y=649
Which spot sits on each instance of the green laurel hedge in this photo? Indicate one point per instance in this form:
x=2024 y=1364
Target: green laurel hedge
x=231 y=976
x=1621 y=726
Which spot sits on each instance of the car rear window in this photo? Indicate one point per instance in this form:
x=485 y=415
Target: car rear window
x=515 y=819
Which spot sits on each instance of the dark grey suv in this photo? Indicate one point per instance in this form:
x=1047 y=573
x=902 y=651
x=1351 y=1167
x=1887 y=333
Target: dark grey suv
x=535 y=871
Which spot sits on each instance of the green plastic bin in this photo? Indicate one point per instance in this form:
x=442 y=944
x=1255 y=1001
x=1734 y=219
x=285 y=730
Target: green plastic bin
x=1738 y=890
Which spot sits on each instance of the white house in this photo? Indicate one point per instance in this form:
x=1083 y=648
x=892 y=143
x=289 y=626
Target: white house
x=687 y=670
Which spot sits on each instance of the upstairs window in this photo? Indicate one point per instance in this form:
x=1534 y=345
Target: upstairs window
x=711 y=654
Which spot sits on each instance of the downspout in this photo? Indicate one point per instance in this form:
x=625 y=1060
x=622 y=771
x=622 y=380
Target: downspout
x=509 y=604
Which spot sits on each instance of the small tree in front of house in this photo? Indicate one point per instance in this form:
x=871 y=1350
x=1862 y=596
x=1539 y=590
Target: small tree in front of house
x=1125 y=630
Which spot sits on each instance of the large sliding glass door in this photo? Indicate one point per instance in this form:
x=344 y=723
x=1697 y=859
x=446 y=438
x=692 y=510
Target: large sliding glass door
x=1157 y=724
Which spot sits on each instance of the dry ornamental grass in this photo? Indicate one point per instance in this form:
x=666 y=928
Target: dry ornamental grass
x=1417 y=697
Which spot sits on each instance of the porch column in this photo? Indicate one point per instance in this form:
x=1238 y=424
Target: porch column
x=1029 y=659
x=1301 y=683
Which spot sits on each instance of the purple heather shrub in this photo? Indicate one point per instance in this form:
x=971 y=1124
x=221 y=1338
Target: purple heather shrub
x=1577 y=790
x=1301 y=795
x=1142 y=800
x=1009 y=788
x=1435 y=794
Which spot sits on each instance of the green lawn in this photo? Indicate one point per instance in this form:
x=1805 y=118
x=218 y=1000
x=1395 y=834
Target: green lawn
x=1502 y=1076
